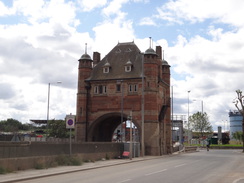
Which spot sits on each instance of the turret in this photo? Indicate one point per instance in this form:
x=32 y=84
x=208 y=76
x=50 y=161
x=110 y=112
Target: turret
x=85 y=70
x=151 y=68
x=165 y=71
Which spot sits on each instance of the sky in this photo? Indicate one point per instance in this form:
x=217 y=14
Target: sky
x=42 y=40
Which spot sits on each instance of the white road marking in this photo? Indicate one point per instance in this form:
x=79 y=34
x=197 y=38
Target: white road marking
x=156 y=172
x=127 y=180
x=237 y=180
x=179 y=165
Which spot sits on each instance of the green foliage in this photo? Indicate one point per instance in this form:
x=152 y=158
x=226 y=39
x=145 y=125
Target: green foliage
x=199 y=122
x=13 y=125
x=57 y=128
x=39 y=166
x=2 y=170
x=238 y=136
x=63 y=160
x=107 y=157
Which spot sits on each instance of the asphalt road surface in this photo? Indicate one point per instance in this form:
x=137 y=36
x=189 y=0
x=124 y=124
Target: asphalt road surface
x=214 y=166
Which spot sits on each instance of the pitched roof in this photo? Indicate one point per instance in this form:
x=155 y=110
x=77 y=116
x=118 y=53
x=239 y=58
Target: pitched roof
x=118 y=58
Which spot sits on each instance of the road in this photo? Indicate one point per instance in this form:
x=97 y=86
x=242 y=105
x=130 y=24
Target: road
x=215 y=166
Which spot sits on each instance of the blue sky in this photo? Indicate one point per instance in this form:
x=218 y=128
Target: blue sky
x=41 y=41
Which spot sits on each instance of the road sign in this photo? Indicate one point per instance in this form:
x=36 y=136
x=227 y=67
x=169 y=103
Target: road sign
x=70 y=121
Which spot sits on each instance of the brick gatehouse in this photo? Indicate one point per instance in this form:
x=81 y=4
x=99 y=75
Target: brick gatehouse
x=109 y=89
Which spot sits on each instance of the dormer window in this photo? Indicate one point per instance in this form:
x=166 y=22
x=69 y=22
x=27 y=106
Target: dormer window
x=128 y=66
x=118 y=51
x=128 y=50
x=106 y=70
x=106 y=67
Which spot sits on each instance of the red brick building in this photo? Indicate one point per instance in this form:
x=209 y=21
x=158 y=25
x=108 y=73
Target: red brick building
x=111 y=88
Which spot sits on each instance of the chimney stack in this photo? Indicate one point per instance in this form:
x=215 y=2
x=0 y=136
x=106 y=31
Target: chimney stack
x=159 y=51
x=96 y=58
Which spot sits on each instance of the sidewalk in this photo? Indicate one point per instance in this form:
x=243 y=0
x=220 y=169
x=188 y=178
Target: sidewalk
x=33 y=173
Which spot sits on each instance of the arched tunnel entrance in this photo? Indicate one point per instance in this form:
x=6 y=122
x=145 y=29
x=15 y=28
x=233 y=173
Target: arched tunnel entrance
x=104 y=128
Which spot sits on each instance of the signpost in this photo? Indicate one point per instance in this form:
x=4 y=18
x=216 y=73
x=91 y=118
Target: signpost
x=70 y=124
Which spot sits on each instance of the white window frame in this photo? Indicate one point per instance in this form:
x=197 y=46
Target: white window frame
x=106 y=70
x=133 y=88
x=128 y=68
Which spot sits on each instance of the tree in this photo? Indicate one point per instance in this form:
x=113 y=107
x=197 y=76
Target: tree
x=199 y=122
x=239 y=105
x=237 y=135
x=10 y=125
x=57 y=128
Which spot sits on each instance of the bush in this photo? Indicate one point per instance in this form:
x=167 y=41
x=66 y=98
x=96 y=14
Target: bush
x=63 y=160
x=2 y=170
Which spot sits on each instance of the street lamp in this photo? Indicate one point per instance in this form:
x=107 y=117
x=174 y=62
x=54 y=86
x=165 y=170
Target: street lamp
x=48 y=99
x=201 y=104
x=122 y=110
x=188 y=125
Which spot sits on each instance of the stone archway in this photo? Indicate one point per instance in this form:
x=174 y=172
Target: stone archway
x=102 y=129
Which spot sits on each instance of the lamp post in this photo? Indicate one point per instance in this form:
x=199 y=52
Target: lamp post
x=201 y=104
x=122 y=109
x=48 y=99
x=188 y=124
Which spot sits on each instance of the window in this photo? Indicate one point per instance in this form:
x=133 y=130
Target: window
x=118 y=87
x=133 y=87
x=104 y=89
x=106 y=70
x=128 y=50
x=106 y=67
x=118 y=50
x=96 y=89
x=100 y=89
x=128 y=68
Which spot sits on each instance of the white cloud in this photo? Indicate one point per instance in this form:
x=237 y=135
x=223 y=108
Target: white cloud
x=227 y=11
x=34 y=53
x=55 y=11
x=114 y=7
x=212 y=69
x=147 y=21
x=4 y=11
x=45 y=42
x=89 y=5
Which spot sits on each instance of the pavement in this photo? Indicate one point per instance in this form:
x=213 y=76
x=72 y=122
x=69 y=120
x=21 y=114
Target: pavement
x=33 y=173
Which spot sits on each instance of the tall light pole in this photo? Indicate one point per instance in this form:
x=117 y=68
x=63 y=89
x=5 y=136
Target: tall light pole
x=48 y=99
x=188 y=124
x=120 y=82
x=201 y=104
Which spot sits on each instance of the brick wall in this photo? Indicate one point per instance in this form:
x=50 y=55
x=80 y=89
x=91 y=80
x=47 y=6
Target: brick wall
x=26 y=149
